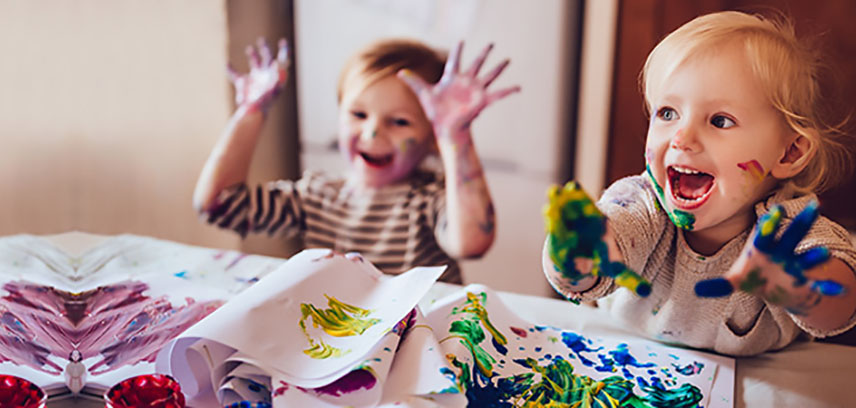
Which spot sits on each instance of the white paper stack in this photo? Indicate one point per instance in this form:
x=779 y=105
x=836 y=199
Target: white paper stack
x=227 y=356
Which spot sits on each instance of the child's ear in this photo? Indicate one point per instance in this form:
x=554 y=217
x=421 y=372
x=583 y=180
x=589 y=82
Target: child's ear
x=795 y=157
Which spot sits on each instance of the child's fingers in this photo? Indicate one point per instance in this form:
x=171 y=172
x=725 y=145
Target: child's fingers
x=813 y=257
x=797 y=230
x=264 y=51
x=232 y=73
x=502 y=93
x=765 y=234
x=716 y=287
x=474 y=70
x=415 y=82
x=282 y=54
x=252 y=57
x=827 y=287
x=453 y=63
x=495 y=73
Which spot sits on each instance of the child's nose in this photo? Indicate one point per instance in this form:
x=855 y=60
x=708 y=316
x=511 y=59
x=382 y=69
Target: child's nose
x=686 y=139
x=369 y=131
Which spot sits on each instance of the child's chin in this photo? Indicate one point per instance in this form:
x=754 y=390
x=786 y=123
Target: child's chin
x=377 y=181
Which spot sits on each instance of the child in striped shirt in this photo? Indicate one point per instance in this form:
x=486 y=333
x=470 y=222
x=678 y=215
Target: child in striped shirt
x=398 y=104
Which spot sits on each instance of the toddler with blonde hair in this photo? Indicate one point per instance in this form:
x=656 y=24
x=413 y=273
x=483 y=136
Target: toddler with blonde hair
x=399 y=102
x=723 y=223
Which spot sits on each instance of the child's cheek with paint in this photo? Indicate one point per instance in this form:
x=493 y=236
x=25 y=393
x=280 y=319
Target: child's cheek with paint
x=347 y=140
x=753 y=174
x=653 y=171
x=409 y=153
x=743 y=179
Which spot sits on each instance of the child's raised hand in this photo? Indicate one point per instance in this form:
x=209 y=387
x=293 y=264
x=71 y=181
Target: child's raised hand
x=458 y=97
x=257 y=89
x=770 y=269
x=575 y=240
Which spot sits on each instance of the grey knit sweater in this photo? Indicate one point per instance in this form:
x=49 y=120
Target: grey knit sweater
x=740 y=324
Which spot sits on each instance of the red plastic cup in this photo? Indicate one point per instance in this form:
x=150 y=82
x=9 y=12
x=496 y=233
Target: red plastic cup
x=16 y=392
x=145 y=391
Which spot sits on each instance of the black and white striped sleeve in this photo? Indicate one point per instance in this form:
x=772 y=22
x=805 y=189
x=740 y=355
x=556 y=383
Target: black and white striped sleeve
x=272 y=207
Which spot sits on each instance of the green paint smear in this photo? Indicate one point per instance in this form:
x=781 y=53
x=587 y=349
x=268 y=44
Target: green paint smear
x=551 y=385
x=575 y=228
x=753 y=281
x=469 y=331
x=778 y=296
x=681 y=219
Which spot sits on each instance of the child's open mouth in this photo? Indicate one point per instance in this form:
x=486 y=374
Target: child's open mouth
x=375 y=160
x=690 y=188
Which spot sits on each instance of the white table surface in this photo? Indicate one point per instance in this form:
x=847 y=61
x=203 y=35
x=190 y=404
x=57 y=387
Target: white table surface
x=804 y=375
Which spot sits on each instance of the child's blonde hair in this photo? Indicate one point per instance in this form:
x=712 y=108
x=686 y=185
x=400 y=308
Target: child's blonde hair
x=386 y=57
x=786 y=69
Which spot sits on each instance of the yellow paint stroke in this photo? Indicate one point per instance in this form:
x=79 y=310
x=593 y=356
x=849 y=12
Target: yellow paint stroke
x=754 y=169
x=339 y=320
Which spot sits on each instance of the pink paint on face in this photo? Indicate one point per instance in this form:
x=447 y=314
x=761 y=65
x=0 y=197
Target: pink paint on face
x=676 y=140
x=753 y=169
x=383 y=133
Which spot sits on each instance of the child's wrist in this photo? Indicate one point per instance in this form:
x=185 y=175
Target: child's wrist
x=249 y=111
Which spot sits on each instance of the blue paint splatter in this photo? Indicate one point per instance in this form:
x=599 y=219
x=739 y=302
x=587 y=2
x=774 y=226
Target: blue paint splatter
x=690 y=369
x=622 y=357
x=499 y=347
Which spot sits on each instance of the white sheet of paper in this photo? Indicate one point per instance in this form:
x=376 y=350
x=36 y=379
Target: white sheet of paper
x=592 y=355
x=263 y=321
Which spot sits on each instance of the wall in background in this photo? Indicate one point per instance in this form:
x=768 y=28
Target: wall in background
x=107 y=112
x=277 y=153
x=110 y=108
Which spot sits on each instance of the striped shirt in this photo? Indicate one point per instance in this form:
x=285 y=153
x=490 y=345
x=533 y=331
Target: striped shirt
x=392 y=226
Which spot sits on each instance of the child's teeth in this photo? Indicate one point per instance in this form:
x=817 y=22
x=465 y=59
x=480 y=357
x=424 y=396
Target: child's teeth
x=685 y=171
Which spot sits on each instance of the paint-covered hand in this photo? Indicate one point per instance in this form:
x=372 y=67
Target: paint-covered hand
x=455 y=101
x=575 y=240
x=771 y=269
x=257 y=89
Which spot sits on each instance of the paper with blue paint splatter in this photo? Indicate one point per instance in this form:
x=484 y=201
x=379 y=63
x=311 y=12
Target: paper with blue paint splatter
x=498 y=356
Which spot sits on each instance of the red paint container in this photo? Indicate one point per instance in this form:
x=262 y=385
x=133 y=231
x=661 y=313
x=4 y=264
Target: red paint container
x=16 y=392
x=145 y=391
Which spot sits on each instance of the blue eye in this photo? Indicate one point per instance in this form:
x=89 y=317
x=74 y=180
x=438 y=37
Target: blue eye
x=358 y=114
x=667 y=114
x=401 y=122
x=722 y=122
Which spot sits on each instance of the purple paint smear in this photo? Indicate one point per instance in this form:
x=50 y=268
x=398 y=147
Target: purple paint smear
x=353 y=381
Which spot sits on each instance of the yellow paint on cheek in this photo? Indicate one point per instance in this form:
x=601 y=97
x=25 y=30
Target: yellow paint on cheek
x=753 y=169
x=753 y=174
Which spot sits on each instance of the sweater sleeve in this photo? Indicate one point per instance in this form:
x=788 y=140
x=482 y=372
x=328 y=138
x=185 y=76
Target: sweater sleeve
x=273 y=207
x=637 y=220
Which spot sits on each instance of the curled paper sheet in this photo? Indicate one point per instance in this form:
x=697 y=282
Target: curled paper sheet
x=318 y=318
